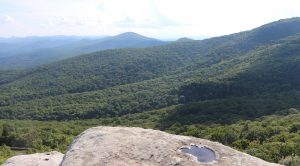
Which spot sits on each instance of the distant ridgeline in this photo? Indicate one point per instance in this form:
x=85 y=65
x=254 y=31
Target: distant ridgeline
x=247 y=74
x=16 y=53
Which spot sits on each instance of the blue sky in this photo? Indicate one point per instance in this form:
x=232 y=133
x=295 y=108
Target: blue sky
x=164 y=19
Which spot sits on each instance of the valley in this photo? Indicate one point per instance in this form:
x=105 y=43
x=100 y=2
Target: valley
x=242 y=90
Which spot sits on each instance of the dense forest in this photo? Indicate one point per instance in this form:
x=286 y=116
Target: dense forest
x=242 y=90
x=121 y=81
x=274 y=138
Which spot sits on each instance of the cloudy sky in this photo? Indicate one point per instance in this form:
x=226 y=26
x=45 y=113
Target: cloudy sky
x=164 y=19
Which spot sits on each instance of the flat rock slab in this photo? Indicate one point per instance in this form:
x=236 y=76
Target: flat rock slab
x=38 y=159
x=127 y=146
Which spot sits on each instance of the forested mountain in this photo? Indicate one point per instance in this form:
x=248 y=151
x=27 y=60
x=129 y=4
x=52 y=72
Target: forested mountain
x=227 y=70
x=33 y=51
x=242 y=90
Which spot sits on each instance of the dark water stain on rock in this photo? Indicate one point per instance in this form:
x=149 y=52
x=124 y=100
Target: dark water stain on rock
x=203 y=154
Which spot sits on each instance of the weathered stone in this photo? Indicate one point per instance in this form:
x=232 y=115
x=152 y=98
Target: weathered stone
x=39 y=159
x=124 y=146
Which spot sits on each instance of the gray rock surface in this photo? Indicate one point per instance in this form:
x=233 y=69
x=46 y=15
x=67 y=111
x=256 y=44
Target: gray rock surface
x=123 y=146
x=38 y=159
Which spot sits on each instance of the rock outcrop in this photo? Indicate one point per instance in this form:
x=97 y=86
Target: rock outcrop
x=124 y=146
x=39 y=159
x=127 y=146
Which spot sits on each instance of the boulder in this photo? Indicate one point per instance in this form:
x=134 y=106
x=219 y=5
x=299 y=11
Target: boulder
x=38 y=159
x=129 y=146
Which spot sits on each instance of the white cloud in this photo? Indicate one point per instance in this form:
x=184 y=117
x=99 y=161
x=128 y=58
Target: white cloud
x=65 y=22
x=70 y=21
x=157 y=21
x=156 y=18
x=7 y=19
x=217 y=17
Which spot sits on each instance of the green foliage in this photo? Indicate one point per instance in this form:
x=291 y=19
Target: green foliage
x=77 y=88
x=268 y=137
x=225 y=135
x=290 y=161
x=295 y=127
x=237 y=89
x=121 y=81
x=41 y=136
x=5 y=152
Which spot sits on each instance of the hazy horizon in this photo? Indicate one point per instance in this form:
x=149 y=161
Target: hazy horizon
x=165 y=19
x=103 y=36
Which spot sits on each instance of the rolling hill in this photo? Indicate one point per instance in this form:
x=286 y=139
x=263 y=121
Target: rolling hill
x=226 y=69
x=16 y=53
x=242 y=90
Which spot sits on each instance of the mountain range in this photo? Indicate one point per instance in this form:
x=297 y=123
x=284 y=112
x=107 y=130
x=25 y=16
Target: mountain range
x=120 y=81
x=242 y=89
x=33 y=51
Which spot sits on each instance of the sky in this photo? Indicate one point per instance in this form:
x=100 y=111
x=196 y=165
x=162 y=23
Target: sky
x=163 y=19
